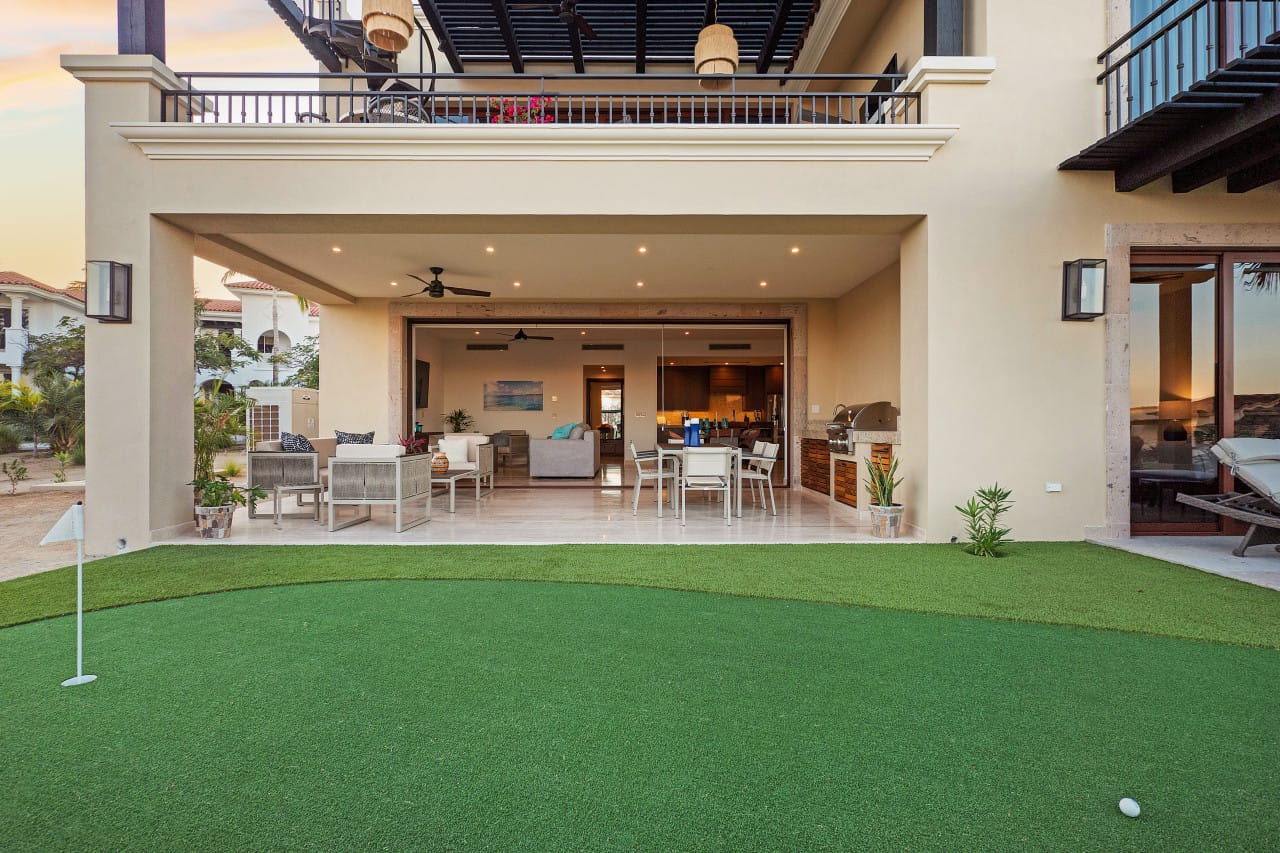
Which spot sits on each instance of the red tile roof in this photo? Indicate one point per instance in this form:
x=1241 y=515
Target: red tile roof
x=11 y=277
x=222 y=305
x=313 y=311
x=247 y=285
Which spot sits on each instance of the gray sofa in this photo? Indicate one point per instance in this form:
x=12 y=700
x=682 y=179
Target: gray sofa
x=565 y=457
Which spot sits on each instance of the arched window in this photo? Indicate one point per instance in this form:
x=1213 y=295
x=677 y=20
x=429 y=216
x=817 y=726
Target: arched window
x=267 y=346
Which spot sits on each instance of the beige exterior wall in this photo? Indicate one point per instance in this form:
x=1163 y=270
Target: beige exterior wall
x=869 y=319
x=980 y=267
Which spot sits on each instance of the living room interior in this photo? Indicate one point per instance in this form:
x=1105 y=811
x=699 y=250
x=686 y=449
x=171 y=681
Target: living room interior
x=624 y=383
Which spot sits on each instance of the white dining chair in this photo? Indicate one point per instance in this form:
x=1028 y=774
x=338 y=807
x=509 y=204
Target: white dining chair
x=650 y=467
x=707 y=469
x=760 y=473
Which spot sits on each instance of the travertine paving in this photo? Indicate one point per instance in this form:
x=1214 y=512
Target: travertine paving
x=1208 y=554
x=544 y=516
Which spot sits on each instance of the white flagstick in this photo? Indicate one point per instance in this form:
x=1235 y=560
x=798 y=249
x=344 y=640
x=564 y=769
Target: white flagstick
x=71 y=526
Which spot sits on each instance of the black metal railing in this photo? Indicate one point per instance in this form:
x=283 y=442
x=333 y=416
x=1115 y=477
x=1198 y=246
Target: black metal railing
x=1180 y=44
x=845 y=99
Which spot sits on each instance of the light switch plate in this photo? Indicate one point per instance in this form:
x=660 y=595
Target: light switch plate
x=555 y=399
x=817 y=409
x=1053 y=487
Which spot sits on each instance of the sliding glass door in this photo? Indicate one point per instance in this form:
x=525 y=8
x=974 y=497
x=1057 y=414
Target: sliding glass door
x=1204 y=364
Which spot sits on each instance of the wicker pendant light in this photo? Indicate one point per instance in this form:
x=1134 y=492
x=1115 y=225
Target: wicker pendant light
x=715 y=54
x=388 y=23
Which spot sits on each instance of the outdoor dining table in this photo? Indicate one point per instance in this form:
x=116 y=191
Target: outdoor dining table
x=675 y=450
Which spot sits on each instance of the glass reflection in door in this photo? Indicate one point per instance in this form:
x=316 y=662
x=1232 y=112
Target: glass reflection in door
x=1173 y=394
x=1255 y=349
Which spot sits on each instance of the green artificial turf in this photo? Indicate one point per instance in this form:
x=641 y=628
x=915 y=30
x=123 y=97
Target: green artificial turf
x=463 y=715
x=1055 y=583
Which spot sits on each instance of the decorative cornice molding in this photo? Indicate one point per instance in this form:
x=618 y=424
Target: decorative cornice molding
x=462 y=143
x=113 y=68
x=928 y=70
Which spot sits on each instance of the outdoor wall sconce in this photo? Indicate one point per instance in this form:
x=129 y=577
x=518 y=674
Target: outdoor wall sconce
x=108 y=291
x=1084 y=289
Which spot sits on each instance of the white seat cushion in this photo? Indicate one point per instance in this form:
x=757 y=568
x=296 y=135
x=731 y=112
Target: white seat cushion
x=1262 y=477
x=1242 y=451
x=368 y=451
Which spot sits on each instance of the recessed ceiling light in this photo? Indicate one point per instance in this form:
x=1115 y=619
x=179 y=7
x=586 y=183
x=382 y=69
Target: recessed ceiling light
x=686 y=333
x=488 y=250
x=337 y=248
x=643 y=250
x=395 y=284
x=582 y=333
x=672 y=363
x=764 y=284
x=515 y=284
x=726 y=363
x=639 y=284
x=795 y=250
x=477 y=331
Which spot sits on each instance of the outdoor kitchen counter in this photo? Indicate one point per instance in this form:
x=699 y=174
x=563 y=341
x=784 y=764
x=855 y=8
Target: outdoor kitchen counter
x=847 y=479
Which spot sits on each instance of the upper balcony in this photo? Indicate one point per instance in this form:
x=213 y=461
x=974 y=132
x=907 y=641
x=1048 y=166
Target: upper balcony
x=1192 y=91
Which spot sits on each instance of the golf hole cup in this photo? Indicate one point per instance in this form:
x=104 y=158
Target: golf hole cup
x=1129 y=807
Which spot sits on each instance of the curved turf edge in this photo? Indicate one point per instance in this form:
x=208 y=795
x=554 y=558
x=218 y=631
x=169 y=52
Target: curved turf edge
x=1050 y=583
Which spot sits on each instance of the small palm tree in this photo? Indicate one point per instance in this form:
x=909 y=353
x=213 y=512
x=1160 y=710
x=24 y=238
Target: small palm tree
x=62 y=411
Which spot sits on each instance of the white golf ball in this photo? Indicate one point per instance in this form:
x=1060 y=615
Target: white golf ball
x=1130 y=808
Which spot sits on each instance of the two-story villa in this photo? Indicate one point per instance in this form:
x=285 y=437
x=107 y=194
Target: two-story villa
x=30 y=308
x=892 y=186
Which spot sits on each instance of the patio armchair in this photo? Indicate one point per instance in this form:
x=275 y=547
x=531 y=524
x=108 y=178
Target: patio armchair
x=268 y=466
x=469 y=451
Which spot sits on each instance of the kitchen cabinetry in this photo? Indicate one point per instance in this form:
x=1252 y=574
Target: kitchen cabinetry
x=685 y=388
x=815 y=465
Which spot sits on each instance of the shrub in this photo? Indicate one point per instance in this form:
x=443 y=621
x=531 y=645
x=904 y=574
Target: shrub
x=60 y=473
x=232 y=468
x=982 y=520
x=77 y=455
x=16 y=472
x=10 y=438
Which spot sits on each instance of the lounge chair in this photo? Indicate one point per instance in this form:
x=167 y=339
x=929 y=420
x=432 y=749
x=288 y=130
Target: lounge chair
x=1256 y=463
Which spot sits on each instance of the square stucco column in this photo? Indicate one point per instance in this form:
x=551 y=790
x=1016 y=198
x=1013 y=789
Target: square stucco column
x=140 y=375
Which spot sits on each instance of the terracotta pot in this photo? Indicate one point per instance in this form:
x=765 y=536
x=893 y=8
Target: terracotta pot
x=214 y=522
x=439 y=463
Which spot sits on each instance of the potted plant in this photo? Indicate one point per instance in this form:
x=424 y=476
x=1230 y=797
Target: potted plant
x=459 y=420
x=886 y=516
x=216 y=502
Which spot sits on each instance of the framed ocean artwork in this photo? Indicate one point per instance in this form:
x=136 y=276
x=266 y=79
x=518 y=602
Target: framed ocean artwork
x=513 y=395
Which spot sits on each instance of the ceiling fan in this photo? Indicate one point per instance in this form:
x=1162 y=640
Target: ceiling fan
x=566 y=11
x=521 y=336
x=436 y=288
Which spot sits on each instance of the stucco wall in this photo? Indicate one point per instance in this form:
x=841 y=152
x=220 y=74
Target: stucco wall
x=869 y=319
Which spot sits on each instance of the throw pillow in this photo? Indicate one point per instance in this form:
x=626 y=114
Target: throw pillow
x=575 y=434
x=295 y=443
x=353 y=437
x=562 y=431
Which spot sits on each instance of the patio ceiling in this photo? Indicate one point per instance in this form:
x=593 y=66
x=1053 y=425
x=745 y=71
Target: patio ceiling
x=644 y=32
x=584 y=266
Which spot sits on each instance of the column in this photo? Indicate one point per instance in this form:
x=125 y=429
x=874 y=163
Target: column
x=15 y=337
x=138 y=394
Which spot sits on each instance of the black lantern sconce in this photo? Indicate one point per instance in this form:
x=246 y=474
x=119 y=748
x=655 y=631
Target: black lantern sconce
x=1084 y=289
x=108 y=291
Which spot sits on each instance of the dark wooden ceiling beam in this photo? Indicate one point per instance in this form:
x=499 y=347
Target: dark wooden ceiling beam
x=1257 y=175
x=508 y=35
x=642 y=33
x=780 y=14
x=1254 y=150
x=1206 y=140
x=447 y=46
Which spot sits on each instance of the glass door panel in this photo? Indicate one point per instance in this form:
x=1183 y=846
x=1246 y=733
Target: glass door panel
x=1173 y=394
x=1255 y=350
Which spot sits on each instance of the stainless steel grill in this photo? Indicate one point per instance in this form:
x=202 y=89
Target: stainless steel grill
x=881 y=416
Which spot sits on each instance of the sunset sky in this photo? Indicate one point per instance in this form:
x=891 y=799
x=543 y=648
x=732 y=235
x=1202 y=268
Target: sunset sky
x=42 y=111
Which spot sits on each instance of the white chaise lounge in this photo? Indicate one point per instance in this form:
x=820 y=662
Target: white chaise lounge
x=1256 y=463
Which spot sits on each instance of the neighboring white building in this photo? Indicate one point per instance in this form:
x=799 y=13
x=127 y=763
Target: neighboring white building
x=250 y=317
x=29 y=307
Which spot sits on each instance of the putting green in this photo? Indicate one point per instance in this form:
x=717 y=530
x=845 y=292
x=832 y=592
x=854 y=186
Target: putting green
x=500 y=715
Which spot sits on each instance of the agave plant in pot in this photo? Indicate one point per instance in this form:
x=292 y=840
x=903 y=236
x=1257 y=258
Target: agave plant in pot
x=886 y=516
x=216 y=502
